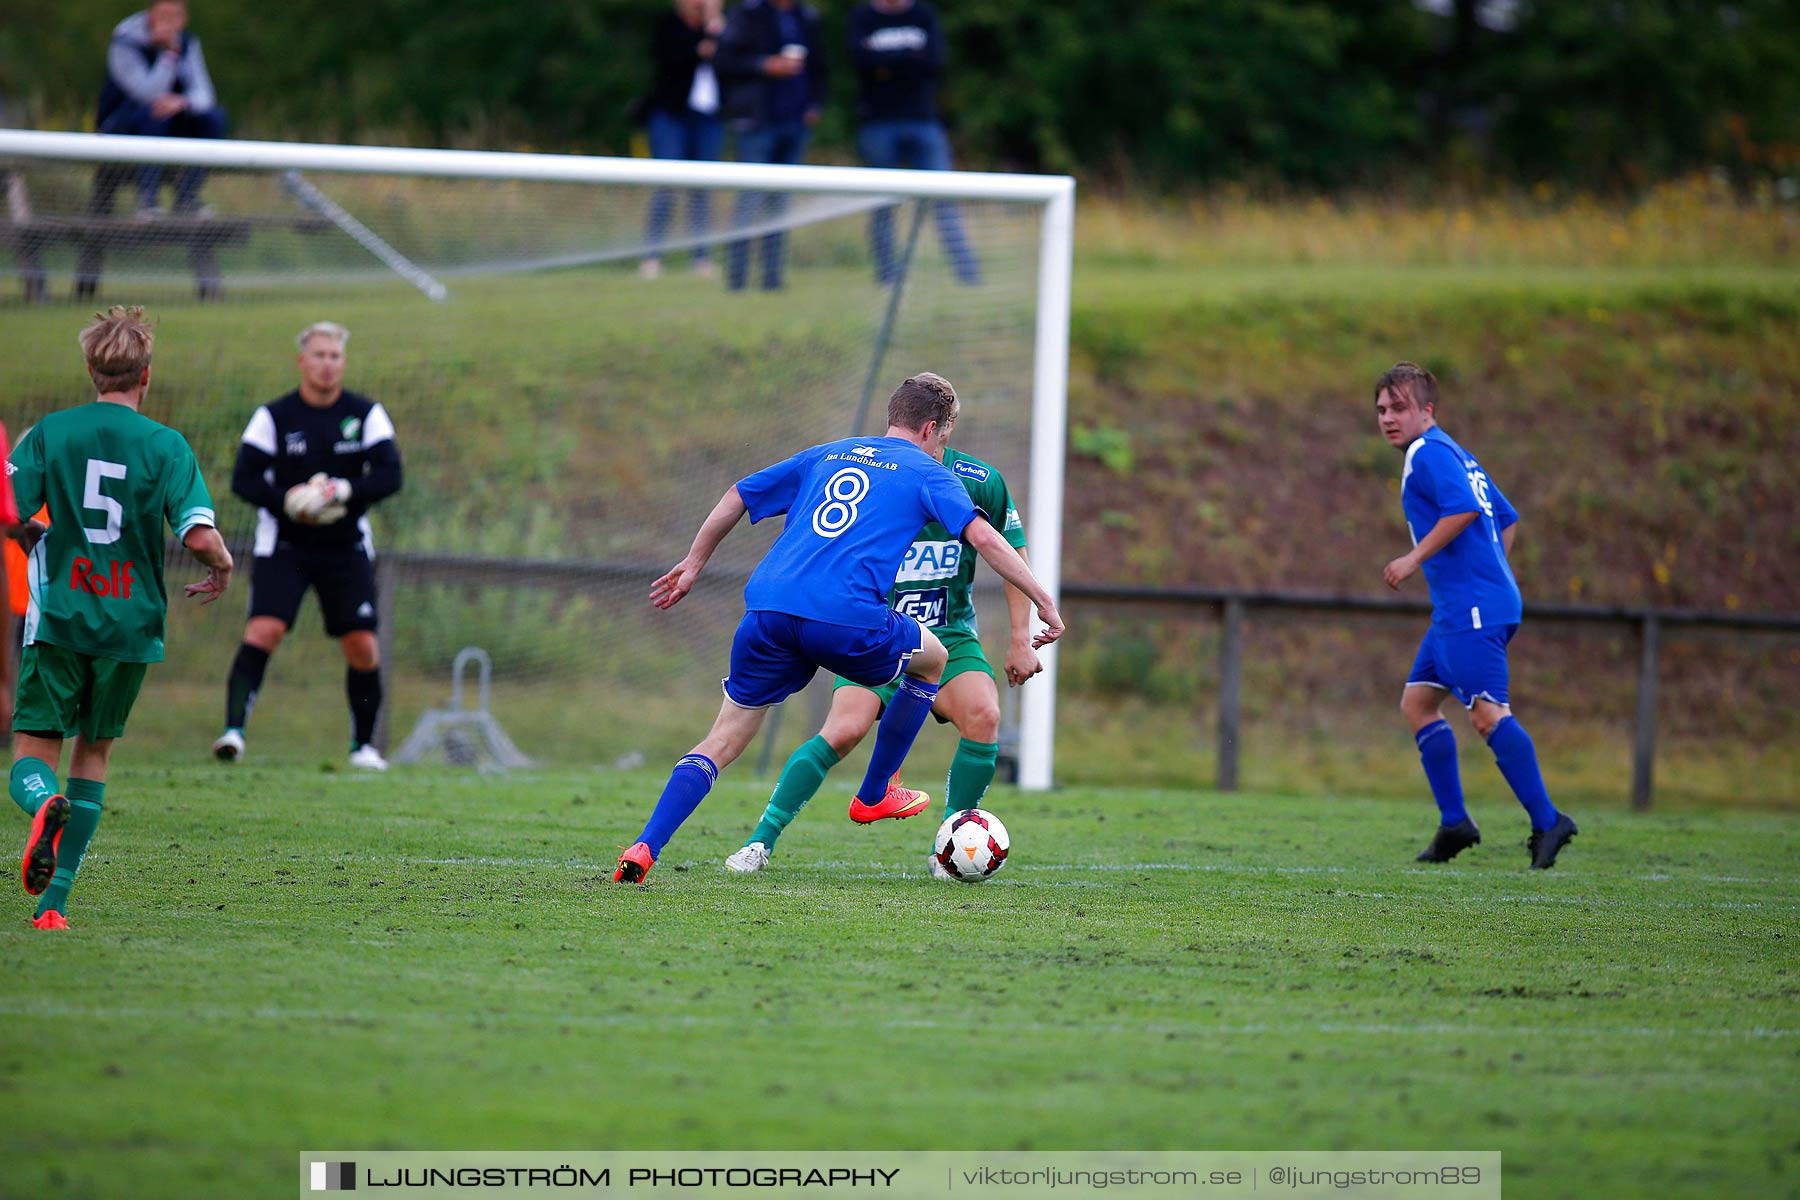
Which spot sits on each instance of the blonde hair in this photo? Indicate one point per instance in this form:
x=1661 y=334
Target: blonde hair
x=117 y=346
x=325 y=329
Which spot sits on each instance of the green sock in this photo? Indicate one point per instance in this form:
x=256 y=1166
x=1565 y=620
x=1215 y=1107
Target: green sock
x=971 y=771
x=85 y=797
x=800 y=779
x=33 y=782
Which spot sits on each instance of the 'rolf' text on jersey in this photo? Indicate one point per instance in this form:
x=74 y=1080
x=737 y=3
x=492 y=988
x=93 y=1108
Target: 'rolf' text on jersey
x=108 y=579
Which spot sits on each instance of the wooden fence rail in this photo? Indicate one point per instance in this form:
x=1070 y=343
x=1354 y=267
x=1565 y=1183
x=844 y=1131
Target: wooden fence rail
x=1230 y=606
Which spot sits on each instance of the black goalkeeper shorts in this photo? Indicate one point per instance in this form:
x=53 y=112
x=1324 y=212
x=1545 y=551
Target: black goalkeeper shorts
x=343 y=576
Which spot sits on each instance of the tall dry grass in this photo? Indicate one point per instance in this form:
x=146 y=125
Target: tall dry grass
x=1698 y=221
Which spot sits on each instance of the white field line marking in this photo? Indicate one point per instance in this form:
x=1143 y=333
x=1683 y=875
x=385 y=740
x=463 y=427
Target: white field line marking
x=789 y=864
x=1100 y=867
x=875 y=869
x=1788 y=881
x=60 y=1009
x=1459 y=898
x=1606 y=901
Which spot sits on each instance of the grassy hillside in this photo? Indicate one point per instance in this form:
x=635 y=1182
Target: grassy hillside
x=1643 y=424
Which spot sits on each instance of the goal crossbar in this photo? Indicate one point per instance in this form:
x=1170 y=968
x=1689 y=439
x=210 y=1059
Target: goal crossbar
x=543 y=168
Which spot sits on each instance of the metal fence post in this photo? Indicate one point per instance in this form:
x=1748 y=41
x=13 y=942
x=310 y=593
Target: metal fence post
x=1231 y=670
x=1643 y=741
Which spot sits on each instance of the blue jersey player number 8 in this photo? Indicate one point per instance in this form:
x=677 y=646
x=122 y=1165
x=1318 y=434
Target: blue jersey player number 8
x=845 y=491
x=860 y=504
x=852 y=509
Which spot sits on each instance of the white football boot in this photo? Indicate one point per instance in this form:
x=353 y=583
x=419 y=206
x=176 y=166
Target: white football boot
x=367 y=758
x=230 y=746
x=753 y=857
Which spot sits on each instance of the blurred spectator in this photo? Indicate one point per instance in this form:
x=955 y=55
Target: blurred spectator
x=772 y=68
x=682 y=118
x=898 y=49
x=157 y=86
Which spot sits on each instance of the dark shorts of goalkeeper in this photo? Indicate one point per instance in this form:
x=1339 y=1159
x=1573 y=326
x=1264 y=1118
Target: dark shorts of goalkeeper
x=965 y=655
x=64 y=692
x=343 y=576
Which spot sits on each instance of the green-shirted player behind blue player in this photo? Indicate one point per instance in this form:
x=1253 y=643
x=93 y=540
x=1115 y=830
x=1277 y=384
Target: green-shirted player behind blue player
x=110 y=477
x=850 y=511
x=935 y=586
x=1462 y=528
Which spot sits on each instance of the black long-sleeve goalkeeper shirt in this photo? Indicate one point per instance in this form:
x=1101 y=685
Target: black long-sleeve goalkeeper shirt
x=288 y=441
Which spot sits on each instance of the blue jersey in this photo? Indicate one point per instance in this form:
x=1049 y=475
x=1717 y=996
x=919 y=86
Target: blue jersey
x=853 y=508
x=1472 y=584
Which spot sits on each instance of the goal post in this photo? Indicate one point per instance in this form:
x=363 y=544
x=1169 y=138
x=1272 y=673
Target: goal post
x=468 y=218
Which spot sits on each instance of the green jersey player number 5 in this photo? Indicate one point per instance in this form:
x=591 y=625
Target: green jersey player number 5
x=110 y=478
x=98 y=469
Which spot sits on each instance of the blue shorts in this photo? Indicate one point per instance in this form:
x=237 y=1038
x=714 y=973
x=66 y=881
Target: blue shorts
x=1470 y=665
x=774 y=655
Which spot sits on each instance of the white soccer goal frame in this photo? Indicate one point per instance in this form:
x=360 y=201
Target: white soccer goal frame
x=1050 y=360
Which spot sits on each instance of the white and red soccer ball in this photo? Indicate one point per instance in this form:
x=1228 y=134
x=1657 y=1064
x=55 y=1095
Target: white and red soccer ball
x=971 y=845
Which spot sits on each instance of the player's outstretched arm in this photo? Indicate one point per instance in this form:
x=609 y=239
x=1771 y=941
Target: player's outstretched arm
x=1022 y=660
x=1010 y=567
x=1441 y=535
x=205 y=544
x=668 y=590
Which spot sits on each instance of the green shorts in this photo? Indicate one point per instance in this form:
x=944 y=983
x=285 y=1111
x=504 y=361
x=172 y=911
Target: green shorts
x=63 y=691
x=965 y=655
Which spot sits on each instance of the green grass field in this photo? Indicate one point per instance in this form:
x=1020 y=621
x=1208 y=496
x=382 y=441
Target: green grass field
x=278 y=959
x=292 y=957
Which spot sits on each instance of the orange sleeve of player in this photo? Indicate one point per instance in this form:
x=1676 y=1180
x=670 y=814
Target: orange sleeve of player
x=18 y=587
x=9 y=507
x=18 y=583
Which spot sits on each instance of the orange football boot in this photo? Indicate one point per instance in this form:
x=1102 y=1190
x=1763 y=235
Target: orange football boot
x=899 y=803
x=634 y=864
x=40 y=848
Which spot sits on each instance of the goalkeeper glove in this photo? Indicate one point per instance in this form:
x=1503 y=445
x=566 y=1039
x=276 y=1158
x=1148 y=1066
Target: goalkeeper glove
x=333 y=493
x=318 y=501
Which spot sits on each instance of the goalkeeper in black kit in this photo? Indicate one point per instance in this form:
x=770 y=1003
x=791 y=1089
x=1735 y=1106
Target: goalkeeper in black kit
x=313 y=463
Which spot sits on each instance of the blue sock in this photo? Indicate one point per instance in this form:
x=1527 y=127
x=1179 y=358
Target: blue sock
x=1517 y=760
x=688 y=784
x=1437 y=751
x=900 y=725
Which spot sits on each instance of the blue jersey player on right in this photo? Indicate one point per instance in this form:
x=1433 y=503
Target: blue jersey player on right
x=1462 y=529
x=819 y=598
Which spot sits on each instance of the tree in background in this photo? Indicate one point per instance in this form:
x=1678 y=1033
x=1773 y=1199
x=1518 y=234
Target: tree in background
x=1628 y=93
x=1171 y=93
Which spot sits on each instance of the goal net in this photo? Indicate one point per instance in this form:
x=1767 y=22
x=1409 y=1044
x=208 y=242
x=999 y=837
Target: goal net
x=566 y=421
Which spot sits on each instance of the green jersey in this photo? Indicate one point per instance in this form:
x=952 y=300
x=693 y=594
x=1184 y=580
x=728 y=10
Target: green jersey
x=935 y=581
x=111 y=477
